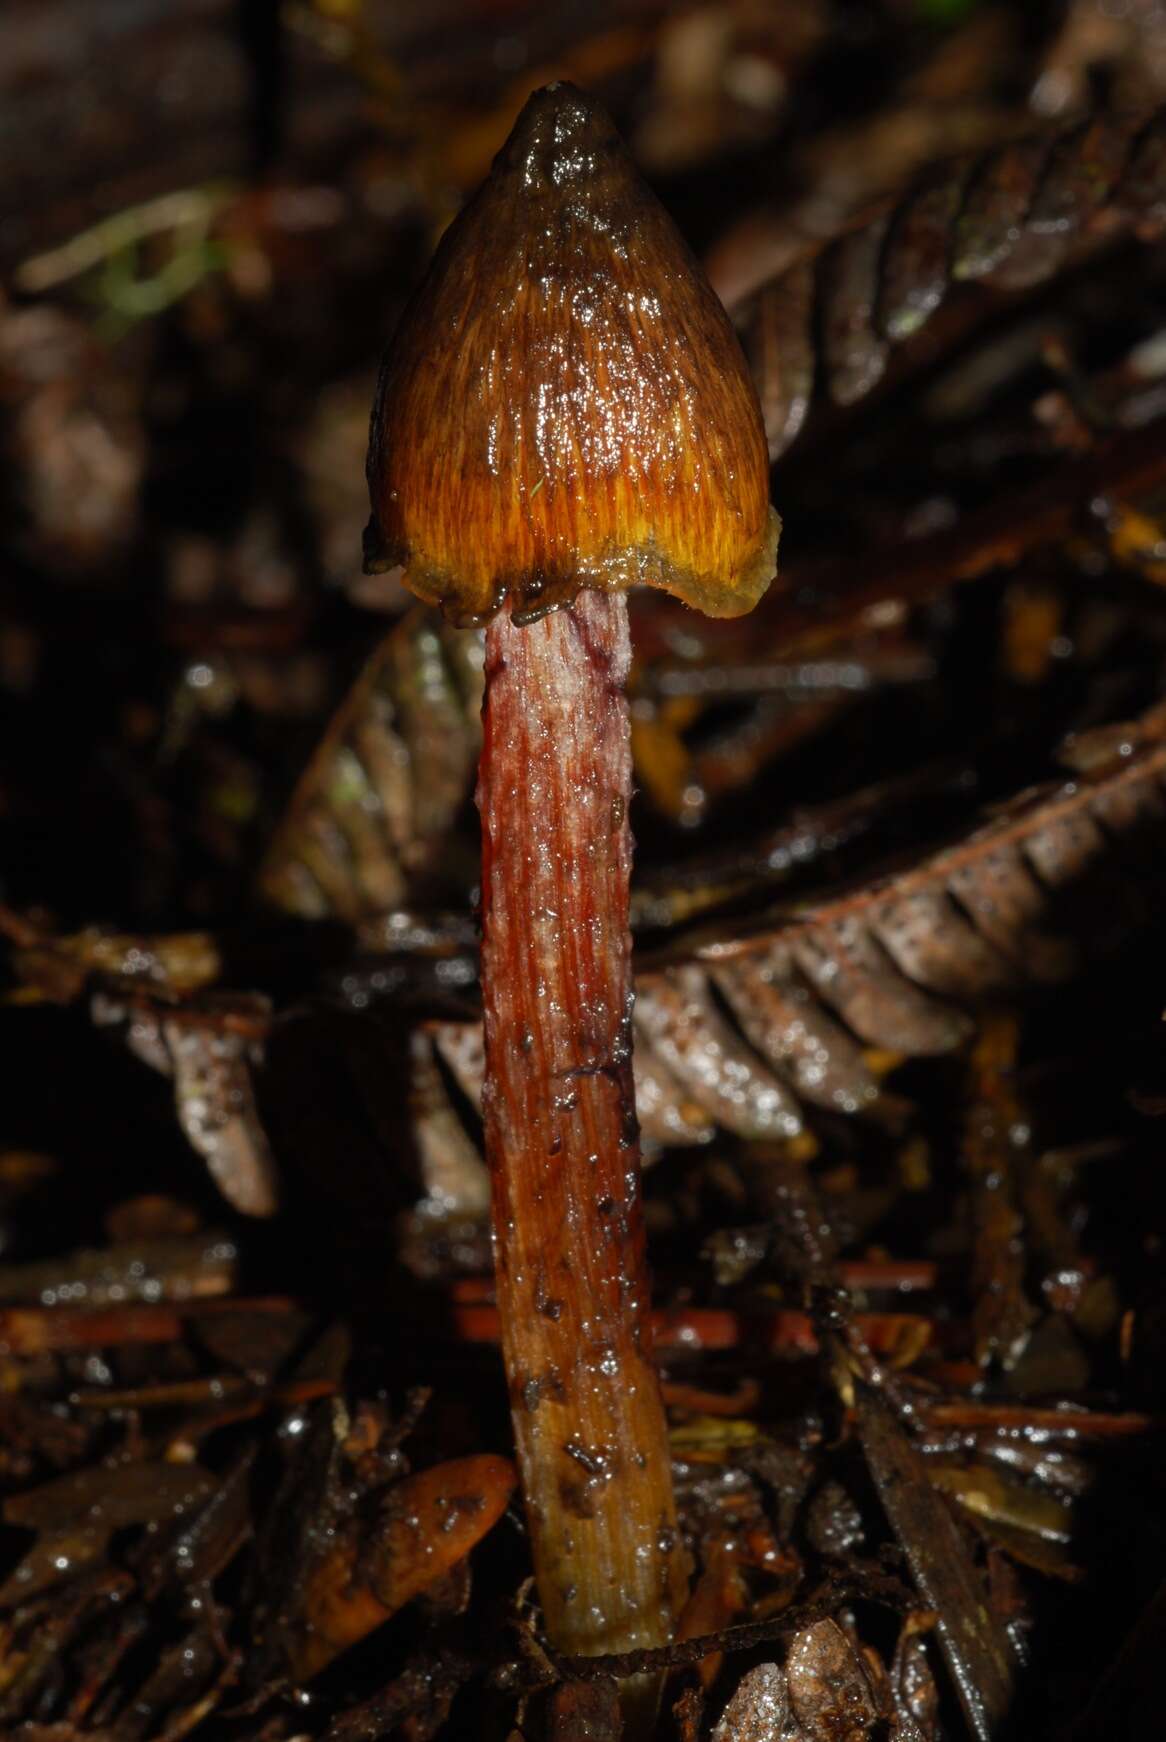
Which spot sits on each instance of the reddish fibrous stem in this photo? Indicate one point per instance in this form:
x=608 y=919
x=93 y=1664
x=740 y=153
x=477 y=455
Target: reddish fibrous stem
x=561 y=1133
x=564 y=407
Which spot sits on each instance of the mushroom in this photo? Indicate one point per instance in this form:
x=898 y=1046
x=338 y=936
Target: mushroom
x=564 y=411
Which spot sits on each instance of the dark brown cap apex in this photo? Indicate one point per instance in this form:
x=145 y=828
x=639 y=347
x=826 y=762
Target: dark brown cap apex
x=564 y=403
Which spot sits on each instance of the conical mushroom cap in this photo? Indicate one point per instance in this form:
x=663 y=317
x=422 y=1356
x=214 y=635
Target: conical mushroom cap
x=565 y=403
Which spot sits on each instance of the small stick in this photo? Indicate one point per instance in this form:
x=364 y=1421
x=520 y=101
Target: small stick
x=774 y=1331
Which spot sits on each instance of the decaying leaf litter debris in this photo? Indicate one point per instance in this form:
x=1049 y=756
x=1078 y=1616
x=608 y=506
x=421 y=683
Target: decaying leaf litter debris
x=898 y=954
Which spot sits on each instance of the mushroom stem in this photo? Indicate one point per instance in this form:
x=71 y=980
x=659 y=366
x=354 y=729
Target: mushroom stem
x=561 y=1134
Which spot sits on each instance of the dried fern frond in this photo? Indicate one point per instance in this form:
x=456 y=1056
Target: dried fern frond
x=209 y=1046
x=742 y=1033
x=746 y=1029
x=1013 y=218
x=377 y=801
